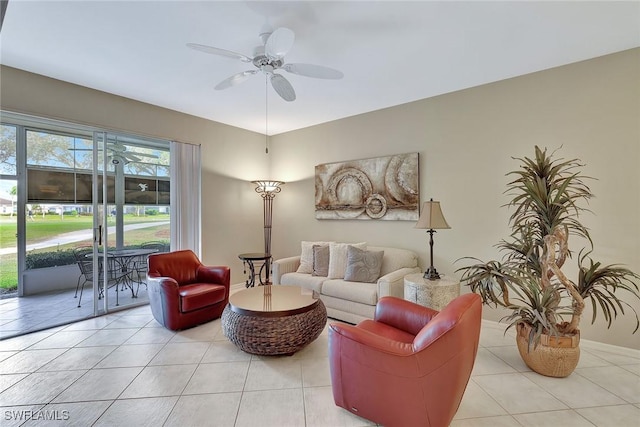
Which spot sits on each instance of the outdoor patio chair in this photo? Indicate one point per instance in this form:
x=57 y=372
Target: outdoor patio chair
x=86 y=265
x=140 y=266
x=86 y=270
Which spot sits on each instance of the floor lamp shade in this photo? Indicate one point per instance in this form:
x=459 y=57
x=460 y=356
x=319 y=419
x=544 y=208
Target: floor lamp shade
x=431 y=219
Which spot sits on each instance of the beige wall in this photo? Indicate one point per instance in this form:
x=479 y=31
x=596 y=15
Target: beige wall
x=466 y=140
x=231 y=157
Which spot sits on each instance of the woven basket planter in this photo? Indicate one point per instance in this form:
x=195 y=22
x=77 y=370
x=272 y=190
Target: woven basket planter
x=553 y=357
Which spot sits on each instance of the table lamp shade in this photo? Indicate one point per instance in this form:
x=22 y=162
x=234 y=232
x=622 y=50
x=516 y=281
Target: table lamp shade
x=431 y=217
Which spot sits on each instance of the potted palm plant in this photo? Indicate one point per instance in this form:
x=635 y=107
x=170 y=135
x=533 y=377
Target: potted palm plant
x=547 y=196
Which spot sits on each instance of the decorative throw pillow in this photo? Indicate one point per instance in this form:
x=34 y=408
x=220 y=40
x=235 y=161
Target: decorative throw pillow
x=306 y=256
x=338 y=258
x=363 y=266
x=320 y=260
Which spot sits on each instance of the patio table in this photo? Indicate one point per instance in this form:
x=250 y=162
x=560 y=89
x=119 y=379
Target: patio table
x=119 y=266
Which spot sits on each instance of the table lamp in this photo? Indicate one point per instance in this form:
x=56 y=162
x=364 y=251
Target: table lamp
x=431 y=219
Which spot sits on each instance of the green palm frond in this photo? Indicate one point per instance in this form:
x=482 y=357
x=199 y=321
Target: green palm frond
x=601 y=283
x=546 y=194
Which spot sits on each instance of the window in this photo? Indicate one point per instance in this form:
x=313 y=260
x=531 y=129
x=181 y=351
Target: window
x=8 y=150
x=59 y=182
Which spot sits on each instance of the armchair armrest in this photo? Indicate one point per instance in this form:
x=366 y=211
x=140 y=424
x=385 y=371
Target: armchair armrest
x=165 y=285
x=392 y=284
x=164 y=297
x=214 y=274
x=371 y=340
x=282 y=266
x=402 y=314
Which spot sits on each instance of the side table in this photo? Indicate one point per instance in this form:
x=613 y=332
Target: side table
x=435 y=294
x=249 y=259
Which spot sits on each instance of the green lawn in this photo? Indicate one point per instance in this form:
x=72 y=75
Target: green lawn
x=8 y=230
x=50 y=226
x=9 y=269
x=41 y=229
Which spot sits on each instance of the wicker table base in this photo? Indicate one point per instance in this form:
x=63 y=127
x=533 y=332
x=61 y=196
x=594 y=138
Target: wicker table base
x=274 y=335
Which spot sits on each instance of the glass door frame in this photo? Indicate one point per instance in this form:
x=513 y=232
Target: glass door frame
x=20 y=197
x=99 y=207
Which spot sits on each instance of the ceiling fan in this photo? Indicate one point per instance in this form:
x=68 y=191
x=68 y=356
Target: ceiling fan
x=269 y=58
x=119 y=153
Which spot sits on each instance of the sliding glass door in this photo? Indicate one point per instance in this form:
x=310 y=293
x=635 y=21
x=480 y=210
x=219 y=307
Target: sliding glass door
x=80 y=210
x=131 y=217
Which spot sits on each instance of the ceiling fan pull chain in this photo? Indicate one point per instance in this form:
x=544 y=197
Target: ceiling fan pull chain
x=266 y=115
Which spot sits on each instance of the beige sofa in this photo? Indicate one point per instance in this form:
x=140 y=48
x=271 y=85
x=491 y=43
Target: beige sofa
x=352 y=301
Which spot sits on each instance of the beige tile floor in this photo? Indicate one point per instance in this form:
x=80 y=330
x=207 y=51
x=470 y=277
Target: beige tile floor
x=124 y=369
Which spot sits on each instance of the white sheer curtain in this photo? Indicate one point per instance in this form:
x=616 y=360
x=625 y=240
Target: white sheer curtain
x=185 y=197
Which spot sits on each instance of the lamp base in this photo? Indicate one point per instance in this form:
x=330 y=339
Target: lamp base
x=431 y=274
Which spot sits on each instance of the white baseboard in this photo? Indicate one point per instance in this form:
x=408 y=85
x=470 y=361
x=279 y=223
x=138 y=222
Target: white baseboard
x=238 y=286
x=586 y=344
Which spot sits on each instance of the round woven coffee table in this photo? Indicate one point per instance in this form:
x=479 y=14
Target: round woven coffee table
x=273 y=320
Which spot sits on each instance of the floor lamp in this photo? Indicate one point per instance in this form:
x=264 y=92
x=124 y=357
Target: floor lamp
x=431 y=219
x=268 y=190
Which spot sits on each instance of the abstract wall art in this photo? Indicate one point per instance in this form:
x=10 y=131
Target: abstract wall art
x=382 y=188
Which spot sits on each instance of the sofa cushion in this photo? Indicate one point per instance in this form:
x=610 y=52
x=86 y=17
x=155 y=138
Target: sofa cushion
x=395 y=259
x=338 y=258
x=306 y=256
x=364 y=293
x=307 y=281
x=320 y=260
x=362 y=265
x=199 y=295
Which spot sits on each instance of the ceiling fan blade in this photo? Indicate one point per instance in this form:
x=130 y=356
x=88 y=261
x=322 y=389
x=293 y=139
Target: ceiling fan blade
x=117 y=147
x=279 y=43
x=316 y=71
x=283 y=87
x=218 y=51
x=234 y=80
x=139 y=154
x=132 y=158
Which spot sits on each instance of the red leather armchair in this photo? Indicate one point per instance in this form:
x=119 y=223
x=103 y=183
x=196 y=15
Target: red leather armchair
x=408 y=367
x=183 y=292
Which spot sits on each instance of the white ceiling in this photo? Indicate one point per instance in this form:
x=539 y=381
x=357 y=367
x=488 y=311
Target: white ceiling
x=390 y=52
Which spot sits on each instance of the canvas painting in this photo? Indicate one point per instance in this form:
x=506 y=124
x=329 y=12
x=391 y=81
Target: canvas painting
x=383 y=188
